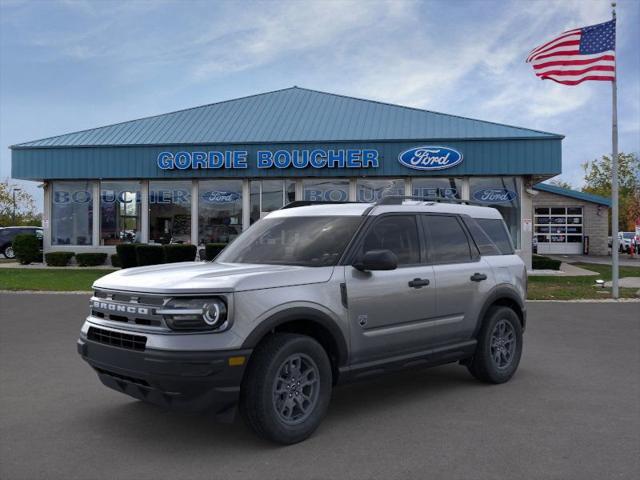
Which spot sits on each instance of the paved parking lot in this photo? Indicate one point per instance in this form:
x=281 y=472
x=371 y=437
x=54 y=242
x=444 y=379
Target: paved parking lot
x=572 y=411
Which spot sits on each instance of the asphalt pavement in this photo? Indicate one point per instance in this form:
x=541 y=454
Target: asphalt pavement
x=571 y=411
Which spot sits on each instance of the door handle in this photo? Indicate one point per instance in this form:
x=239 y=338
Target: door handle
x=419 y=282
x=478 y=277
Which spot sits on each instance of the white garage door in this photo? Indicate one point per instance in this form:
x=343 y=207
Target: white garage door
x=558 y=229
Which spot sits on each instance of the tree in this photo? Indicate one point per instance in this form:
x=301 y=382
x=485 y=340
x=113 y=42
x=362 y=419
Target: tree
x=597 y=180
x=558 y=182
x=25 y=207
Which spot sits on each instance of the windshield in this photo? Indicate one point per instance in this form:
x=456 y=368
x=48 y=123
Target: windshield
x=628 y=234
x=305 y=241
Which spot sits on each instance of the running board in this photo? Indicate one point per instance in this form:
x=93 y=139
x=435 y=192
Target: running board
x=425 y=358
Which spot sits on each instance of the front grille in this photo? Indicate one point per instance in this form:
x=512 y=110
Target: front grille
x=128 y=308
x=117 y=339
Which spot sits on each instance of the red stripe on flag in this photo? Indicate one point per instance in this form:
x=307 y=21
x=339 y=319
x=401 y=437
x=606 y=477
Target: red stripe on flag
x=576 y=82
x=574 y=62
x=557 y=45
x=600 y=68
x=565 y=34
x=569 y=51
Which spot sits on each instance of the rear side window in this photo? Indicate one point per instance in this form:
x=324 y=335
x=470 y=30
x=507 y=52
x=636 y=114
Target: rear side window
x=448 y=242
x=483 y=242
x=497 y=231
x=398 y=233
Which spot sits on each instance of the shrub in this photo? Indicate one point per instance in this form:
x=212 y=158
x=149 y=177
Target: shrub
x=27 y=248
x=213 y=249
x=90 y=259
x=115 y=260
x=545 y=263
x=58 y=259
x=149 y=255
x=127 y=255
x=176 y=252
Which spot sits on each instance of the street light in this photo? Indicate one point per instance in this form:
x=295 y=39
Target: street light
x=14 y=203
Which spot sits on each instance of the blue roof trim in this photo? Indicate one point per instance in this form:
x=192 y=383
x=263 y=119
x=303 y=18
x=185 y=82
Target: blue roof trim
x=292 y=115
x=565 y=192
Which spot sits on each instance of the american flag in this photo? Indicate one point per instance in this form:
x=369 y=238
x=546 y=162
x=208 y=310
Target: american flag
x=587 y=53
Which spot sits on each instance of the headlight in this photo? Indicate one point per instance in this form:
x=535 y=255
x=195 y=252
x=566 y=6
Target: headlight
x=195 y=314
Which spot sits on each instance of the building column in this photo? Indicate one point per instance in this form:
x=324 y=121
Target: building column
x=299 y=189
x=95 y=228
x=353 y=192
x=194 y=212
x=465 y=194
x=144 y=211
x=46 y=216
x=246 y=203
x=526 y=222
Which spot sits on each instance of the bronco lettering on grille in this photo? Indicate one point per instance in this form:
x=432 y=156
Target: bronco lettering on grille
x=118 y=307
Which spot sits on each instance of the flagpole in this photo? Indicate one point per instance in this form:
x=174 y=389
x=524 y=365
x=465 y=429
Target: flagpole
x=614 y=177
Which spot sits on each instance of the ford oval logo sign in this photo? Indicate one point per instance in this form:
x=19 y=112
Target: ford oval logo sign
x=430 y=158
x=495 y=195
x=220 y=197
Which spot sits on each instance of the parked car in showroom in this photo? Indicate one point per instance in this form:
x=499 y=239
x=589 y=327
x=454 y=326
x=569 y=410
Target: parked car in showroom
x=307 y=298
x=7 y=234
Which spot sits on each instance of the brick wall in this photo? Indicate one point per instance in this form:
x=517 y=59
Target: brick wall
x=595 y=226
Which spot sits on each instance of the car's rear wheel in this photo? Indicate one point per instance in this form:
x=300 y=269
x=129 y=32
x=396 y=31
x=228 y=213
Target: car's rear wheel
x=8 y=252
x=499 y=346
x=286 y=390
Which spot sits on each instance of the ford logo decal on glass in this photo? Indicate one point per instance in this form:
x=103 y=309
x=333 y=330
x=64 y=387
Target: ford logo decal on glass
x=494 y=195
x=430 y=158
x=220 y=197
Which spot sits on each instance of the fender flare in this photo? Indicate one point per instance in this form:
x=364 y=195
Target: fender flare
x=301 y=313
x=501 y=292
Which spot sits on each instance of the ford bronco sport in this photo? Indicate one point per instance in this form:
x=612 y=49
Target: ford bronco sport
x=307 y=298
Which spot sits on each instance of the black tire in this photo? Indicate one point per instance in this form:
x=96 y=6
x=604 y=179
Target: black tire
x=266 y=371
x=497 y=363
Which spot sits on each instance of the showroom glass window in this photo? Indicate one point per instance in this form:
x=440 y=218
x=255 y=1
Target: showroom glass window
x=436 y=187
x=219 y=211
x=371 y=190
x=503 y=194
x=170 y=212
x=72 y=213
x=326 y=190
x=269 y=195
x=119 y=212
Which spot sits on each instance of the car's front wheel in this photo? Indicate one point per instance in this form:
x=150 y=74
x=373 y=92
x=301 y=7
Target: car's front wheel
x=287 y=388
x=499 y=346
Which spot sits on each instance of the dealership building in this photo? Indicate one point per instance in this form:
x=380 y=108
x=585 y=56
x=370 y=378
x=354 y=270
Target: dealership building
x=205 y=174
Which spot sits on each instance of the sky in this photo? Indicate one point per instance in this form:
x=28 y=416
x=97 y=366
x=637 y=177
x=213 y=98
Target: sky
x=72 y=65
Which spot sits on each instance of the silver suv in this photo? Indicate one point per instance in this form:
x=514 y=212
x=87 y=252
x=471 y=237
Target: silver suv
x=307 y=298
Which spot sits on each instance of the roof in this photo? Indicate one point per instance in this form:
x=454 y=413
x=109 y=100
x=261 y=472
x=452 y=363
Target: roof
x=565 y=192
x=289 y=116
x=356 y=209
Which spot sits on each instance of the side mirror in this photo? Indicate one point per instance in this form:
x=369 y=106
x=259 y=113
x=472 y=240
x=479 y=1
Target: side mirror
x=377 y=260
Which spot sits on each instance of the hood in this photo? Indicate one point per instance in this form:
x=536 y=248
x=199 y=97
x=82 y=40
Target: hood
x=209 y=277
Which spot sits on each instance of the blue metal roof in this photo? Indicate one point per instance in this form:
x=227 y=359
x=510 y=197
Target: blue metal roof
x=565 y=192
x=291 y=115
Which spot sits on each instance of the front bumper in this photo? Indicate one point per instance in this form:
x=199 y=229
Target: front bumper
x=193 y=381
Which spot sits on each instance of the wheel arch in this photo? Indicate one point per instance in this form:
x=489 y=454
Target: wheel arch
x=305 y=321
x=506 y=296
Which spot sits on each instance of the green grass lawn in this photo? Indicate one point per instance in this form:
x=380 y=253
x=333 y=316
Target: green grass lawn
x=569 y=288
x=63 y=280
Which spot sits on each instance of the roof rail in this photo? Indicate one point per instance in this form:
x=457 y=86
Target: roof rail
x=398 y=199
x=306 y=203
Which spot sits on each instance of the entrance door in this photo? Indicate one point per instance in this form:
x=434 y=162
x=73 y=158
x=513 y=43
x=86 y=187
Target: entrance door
x=390 y=311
